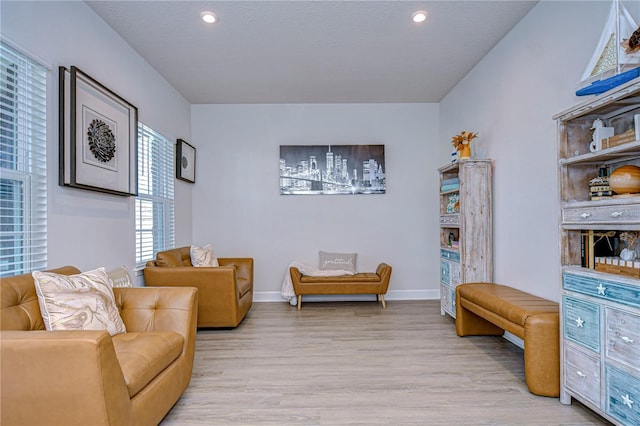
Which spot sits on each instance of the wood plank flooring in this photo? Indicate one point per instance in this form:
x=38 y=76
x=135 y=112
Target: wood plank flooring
x=337 y=363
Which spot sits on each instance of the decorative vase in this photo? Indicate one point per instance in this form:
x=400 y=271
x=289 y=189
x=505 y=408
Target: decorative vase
x=627 y=254
x=465 y=152
x=625 y=179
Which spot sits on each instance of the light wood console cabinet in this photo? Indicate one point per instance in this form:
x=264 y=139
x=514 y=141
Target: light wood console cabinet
x=600 y=304
x=466 y=238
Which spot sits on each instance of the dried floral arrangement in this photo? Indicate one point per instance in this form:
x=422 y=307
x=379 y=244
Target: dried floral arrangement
x=464 y=138
x=630 y=238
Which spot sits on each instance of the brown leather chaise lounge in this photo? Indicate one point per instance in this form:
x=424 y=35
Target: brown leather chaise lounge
x=90 y=377
x=225 y=292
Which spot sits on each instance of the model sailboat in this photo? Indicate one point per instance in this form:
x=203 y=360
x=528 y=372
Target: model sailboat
x=611 y=64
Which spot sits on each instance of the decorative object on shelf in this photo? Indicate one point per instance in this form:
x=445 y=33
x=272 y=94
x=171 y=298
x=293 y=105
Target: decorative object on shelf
x=631 y=240
x=610 y=63
x=453 y=205
x=598 y=244
x=632 y=44
x=621 y=139
x=462 y=143
x=185 y=161
x=599 y=132
x=98 y=136
x=625 y=180
x=618 y=266
x=599 y=186
x=451 y=184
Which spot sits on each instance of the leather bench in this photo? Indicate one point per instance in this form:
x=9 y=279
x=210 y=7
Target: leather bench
x=362 y=283
x=490 y=309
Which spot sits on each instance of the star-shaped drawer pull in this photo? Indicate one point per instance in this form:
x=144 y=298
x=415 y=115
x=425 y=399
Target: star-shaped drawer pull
x=626 y=400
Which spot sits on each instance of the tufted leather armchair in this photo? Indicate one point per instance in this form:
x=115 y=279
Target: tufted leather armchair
x=91 y=377
x=225 y=293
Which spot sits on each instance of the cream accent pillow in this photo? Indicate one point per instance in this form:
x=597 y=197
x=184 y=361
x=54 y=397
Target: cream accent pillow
x=78 y=302
x=203 y=256
x=338 y=261
x=119 y=277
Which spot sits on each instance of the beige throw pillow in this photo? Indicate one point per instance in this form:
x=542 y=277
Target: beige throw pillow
x=202 y=257
x=78 y=302
x=338 y=261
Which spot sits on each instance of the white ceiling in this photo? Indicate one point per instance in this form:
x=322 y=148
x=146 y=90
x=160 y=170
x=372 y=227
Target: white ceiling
x=313 y=51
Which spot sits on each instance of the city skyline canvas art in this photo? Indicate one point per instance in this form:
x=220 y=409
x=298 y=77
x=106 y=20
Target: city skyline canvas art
x=332 y=169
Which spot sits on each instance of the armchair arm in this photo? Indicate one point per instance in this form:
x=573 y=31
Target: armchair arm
x=296 y=276
x=384 y=271
x=243 y=265
x=41 y=371
x=160 y=309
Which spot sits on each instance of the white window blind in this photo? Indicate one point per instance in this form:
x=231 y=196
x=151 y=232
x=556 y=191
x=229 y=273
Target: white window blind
x=155 y=227
x=23 y=174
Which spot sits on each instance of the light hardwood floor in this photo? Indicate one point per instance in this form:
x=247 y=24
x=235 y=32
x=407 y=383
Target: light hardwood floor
x=355 y=363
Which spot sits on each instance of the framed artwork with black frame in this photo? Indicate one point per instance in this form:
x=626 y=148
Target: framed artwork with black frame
x=185 y=161
x=332 y=169
x=98 y=132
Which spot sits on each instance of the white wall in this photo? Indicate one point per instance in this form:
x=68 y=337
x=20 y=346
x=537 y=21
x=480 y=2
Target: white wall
x=238 y=209
x=510 y=98
x=89 y=229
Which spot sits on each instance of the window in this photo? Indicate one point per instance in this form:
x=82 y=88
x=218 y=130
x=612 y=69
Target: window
x=23 y=179
x=155 y=226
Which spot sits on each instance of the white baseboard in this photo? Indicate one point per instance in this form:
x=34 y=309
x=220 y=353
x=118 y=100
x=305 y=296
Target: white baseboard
x=275 y=296
x=514 y=339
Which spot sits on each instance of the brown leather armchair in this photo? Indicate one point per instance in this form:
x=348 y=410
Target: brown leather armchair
x=225 y=292
x=84 y=377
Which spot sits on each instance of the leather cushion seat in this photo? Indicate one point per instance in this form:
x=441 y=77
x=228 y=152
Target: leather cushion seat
x=144 y=355
x=509 y=303
x=356 y=278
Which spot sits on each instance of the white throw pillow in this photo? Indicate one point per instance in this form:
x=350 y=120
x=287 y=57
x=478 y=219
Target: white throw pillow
x=203 y=256
x=338 y=261
x=78 y=302
x=119 y=277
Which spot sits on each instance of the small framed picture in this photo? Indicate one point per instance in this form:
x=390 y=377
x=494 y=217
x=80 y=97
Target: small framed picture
x=185 y=161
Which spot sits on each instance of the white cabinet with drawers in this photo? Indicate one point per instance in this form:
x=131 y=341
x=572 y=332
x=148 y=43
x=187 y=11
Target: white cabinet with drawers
x=466 y=242
x=600 y=306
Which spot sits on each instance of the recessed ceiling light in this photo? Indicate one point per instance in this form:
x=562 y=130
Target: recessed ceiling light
x=208 y=17
x=419 y=16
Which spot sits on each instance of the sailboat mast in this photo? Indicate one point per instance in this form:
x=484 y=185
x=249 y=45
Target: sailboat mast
x=618 y=41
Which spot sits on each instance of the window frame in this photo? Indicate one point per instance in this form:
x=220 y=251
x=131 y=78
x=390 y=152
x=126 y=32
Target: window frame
x=156 y=190
x=24 y=84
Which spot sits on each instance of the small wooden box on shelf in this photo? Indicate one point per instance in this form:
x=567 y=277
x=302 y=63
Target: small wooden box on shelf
x=600 y=304
x=465 y=227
